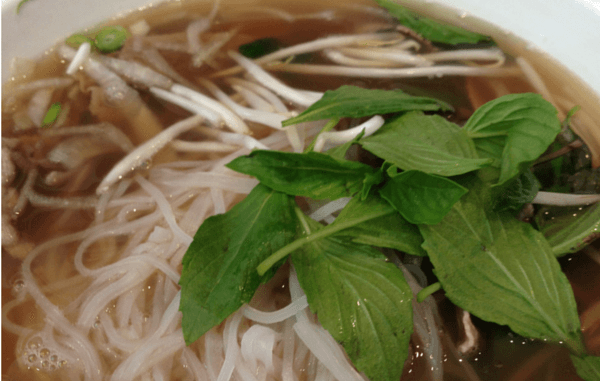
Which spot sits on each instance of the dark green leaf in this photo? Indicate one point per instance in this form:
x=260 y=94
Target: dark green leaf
x=514 y=194
x=356 y=102
x=569 y=229
x=260 y=47
x=219 y=268
x=315 y=175
x=503 y=271
x=513 y=130
x=430 y=29
x=51 y=114
x=422 y=198
x=363 y=301
x=588 y=367
x=388 y=229
x=427 y=143
x=354 y=214
x=76 y=40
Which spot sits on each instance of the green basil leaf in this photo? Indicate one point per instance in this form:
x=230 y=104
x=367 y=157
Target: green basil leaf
x=569 y=229
x=430 y=29
x=517 y=192
x=357 y=212
x=427 y=143
x=315 y=175
x=503 y=271
x=588 y=367
x=356 y=102
x=422 y=198
x=219 y=268
x=514 y=130
x=260 y=47
x=362 y=300
x=389 y=229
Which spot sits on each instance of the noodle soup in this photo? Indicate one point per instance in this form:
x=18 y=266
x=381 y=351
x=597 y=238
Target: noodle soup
x=92 y=254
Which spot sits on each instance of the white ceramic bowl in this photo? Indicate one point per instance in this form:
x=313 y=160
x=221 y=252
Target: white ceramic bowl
x=568 y=30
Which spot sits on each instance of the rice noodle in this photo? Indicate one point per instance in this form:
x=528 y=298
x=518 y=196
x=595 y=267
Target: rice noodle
x=317 y=45
x=340 y=137
x=271 y=82
x=80 y=57
x=564 y=199
x=276 y=316
x=430 y=71
x=136 y=73
x=233 y=121
x=185 y=103
x=38 y=105
x=145 y=151
x=330 y=208
x=258 y=116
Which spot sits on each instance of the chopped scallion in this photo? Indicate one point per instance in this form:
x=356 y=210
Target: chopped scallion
x=51 y=115
x=111 y=38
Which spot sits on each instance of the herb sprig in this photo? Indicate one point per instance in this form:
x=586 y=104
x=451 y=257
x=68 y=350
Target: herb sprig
x=487 y=261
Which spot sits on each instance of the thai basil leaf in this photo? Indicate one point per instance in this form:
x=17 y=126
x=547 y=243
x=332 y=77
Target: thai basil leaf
x=569 y=229
x=503 y=271
x=356 y=102
x=421 y=198
x=430 y=29
x=514 y=130
x=427 y=143
x=315 y=175
x=389 y=229
x=518 y=192
x=260 y=47
x=362 y=300
x=219 y=268
x=355 y=214
x=588 y=367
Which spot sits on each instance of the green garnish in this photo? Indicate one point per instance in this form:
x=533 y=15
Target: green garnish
x=422 y=198
x=111 y=38
x=315 y=175
x=427 y=143
x=424 y=293
x=502 y=270
x=21 y=3
x=588 y=367
x=76 y=40
x=355 y=102
x=51 y=114
x=487 y=262
x=260 y=47
x=372 y=317
x=431 y=29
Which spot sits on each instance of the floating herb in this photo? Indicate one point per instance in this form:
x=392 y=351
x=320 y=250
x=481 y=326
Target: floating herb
x=356 y=102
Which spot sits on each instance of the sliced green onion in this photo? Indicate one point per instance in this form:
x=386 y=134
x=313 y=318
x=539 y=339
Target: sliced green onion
x=51 y=115
x=20 y=5
x=111 y=38
x=77 y=39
